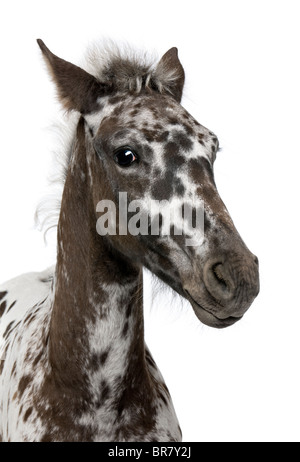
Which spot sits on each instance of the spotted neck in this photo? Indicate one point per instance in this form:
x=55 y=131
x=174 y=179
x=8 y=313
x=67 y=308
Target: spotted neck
x=97 y=328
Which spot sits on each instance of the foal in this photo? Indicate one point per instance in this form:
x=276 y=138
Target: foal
x=74 y=364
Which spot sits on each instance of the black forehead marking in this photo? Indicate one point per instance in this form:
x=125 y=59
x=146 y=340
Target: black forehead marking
x=149 y=134
x=162 y=137
x=173 y=155
x=167 y=186
x=183 y=141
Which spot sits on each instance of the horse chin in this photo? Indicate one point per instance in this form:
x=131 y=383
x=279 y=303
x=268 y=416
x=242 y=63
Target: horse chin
x=209 y=319
x=212 y=321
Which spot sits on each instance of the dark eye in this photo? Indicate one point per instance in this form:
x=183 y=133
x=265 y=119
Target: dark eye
x=125 y=156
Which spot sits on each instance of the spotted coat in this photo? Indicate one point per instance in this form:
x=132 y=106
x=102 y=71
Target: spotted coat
x=74 y=363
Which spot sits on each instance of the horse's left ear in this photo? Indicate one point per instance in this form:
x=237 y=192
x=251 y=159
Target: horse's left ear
x=170 y=71
x=77 y=89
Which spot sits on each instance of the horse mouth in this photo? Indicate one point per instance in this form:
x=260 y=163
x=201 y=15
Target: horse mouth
x=208 y=318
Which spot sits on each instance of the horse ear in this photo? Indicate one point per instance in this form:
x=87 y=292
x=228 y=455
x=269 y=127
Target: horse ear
x=170 y=70
x=77 y=89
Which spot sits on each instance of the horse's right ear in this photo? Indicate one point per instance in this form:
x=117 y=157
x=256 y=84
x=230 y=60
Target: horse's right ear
x=77 y=89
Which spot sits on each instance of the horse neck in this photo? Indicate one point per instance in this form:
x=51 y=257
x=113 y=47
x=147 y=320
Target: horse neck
x=96 y=327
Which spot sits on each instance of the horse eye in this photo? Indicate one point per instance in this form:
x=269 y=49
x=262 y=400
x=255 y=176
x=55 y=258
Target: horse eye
x=125 y=157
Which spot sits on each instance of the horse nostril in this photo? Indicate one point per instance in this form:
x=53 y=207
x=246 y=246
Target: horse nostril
x=218 y=271
x=255 y=260
x=232 y=281
x=218 y=281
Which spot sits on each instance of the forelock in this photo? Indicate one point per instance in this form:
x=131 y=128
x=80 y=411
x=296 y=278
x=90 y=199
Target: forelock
x=127 y=68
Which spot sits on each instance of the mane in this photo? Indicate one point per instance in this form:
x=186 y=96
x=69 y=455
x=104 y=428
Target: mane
x=128 y=69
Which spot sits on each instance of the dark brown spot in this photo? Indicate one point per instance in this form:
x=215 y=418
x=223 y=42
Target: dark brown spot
x=29 y=318
x=37 y=359
x=13 y=371
x=2 y=295
x=104 y=356
x=161 y=137
x=12 y=305
x=23 y=384
x=173 y=158
x=2 y=307
x=163 y=188
x=200 y=171
x=139 y=104
x=150 y=135
x=128 y=311
x=215 y=241
x=173 y=121
x=94 y=362
x=189 y=129
x=8 y=330
x=105 y=391
x=125 y=329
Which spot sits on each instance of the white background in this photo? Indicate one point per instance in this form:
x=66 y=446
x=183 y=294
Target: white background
x=242 y=81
